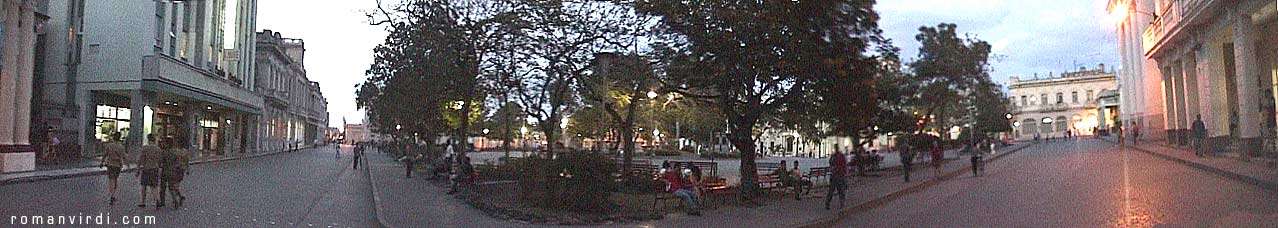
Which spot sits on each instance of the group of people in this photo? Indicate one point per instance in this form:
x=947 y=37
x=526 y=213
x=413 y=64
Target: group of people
x=685 y=183
x=793 y=178
x=160 y=168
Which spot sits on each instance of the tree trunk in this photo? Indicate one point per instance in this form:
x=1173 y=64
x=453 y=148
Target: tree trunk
x=628 y=138
x=742 y=139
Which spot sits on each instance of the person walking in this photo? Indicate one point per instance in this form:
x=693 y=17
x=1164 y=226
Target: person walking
x=113 y=159
x=838 y=178
x=149 y=170
x=1200 y=133
x=462 y=173
x=907 y=160
x=357 y=153
x=172 y=170
x=938 y=155
x=337 y=151
x=977 y=159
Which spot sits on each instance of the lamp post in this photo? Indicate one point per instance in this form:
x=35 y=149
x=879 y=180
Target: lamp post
x=483 y=143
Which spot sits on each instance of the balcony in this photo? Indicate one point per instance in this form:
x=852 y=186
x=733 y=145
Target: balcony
x=187 y=80
x=1170 y=21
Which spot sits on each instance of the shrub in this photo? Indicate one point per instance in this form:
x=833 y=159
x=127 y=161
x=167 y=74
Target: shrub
x=575 y=181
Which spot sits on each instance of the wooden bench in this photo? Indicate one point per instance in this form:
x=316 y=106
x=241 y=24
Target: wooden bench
x=816 y=173
x=766 y=167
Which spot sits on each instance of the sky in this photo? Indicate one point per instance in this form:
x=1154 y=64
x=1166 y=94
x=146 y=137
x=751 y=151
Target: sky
x=1028 y=37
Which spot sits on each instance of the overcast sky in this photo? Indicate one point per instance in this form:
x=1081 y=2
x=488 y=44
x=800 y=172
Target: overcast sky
x=1029 y=36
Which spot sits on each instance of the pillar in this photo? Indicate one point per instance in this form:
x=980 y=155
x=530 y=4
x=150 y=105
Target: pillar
x=1245 y=64
x=138 y=100
x=1169 y=110
x=8 y=73
x=192 y=116
x=26 y=72
x=1182 y=110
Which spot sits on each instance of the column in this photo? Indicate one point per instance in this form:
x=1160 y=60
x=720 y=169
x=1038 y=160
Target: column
x=138 y=100
x=192 y=115
x=1248 y=97
x=26 y=73
x=8 y=73
x=1182 y=110
x=1169 y=91
x=1190 y=72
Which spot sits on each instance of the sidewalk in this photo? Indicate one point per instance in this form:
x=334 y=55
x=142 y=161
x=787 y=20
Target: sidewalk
x=417 y=202
x=91 y=168
x=1255 y=172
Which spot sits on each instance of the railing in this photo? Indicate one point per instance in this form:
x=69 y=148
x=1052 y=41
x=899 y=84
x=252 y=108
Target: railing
x=1170 y=19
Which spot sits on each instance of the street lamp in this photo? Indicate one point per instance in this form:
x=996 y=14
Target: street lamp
x=652 y=94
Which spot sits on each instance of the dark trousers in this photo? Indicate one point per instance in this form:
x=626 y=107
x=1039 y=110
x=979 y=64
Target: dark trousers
x=906 y=168
x=408 y=169
x=355 y=164
x=838 y=185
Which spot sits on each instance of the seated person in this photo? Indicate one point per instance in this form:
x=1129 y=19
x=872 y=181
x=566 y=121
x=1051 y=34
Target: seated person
x=800 y=182
x=680 y=185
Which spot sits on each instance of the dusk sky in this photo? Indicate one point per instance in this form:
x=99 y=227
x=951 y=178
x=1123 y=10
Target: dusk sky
x=1028 y=36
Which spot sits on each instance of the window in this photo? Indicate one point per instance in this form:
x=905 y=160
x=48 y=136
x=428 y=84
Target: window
x=1075 y=96
x=1060 y=98
x=159 y=25
x=1011 y=100
x=1043 y=98
x=1024 y=101
x=1089 y=96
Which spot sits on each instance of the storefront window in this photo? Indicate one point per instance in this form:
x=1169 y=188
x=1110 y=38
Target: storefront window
x=111 y=120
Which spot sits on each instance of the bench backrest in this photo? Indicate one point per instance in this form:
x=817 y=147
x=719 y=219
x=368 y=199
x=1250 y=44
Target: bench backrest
x=819 y=171
x=766 y=167
x=707 y=168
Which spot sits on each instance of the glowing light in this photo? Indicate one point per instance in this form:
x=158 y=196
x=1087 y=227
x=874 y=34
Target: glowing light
x=652 y=94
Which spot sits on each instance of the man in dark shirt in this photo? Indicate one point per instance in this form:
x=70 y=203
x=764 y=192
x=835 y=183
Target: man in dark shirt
x=1200 y=132
x=838 y=181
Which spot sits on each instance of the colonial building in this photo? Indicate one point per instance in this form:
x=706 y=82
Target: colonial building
x=295 y=111
x=164 y=68
x=1189 y=58
x=20 y=26
x=1053 y=106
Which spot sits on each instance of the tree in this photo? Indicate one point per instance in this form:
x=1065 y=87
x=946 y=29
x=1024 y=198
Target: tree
x=750 y=59
x=948 y=69
x=505 y=118
x=617 y=87
x=556 y=42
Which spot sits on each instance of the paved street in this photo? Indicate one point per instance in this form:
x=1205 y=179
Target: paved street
x=306 y=188
x=1086 y=183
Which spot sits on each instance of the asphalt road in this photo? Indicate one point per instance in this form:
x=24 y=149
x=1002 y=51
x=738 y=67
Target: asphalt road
x=309 y=188
x=1085 y=183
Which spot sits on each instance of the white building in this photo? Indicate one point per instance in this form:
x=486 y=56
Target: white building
x=1185 y=58
x=1053 y=106
x=171 y=69
x=295 y=111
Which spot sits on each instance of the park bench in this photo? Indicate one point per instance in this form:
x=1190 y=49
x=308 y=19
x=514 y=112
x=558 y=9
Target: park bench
x=816 y=173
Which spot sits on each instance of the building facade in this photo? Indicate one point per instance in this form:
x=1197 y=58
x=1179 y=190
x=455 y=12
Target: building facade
x=167 y=69
x=1211 y=58
x=1068 y=104
x=295 y=112
x=20 y=27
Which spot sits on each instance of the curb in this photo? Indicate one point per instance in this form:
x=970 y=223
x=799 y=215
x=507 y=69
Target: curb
x=1272 y=186
x=126 y=169
x=377 y=200
x=830 y=221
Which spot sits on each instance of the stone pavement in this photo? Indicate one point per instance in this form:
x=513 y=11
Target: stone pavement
x=417 y=202
x=1256 y=172
x=89 y=167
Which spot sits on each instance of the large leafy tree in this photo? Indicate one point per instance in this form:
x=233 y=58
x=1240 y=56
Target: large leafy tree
x=750 y=59
x=948 y=70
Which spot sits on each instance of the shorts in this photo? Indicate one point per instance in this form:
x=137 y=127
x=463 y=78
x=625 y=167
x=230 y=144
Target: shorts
x=150 y=177
x=113 y=172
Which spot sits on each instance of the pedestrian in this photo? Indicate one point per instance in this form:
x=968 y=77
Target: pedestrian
x=938 y=155
x=678 y=184
x=172 y=170
x=907 y=159
x=180 y=169
x=113 y=159
x=977 y=159
x=51 y=151
x=149 y=170
x=408 y=160
x=838 y=178
x=462 y=173
x=359 y=152
x=1200 y=132
x=337 y=151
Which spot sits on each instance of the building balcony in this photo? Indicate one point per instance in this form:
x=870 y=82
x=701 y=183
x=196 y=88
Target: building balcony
x=1171 y=20
x=172 y=75
x=1045 y=108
